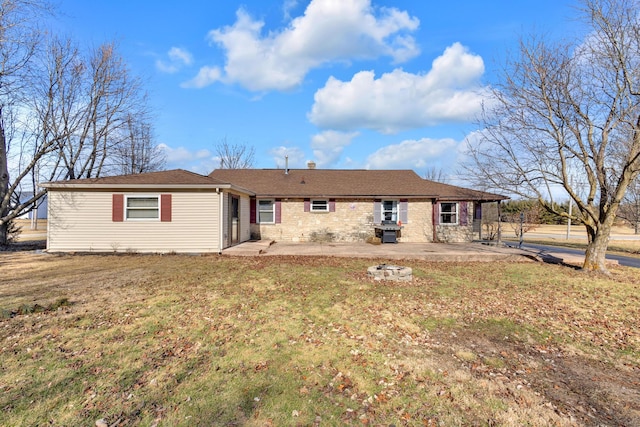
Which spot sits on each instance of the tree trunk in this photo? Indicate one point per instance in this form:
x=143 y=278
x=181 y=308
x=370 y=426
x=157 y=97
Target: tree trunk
x=4 y=184
x=594 y=257
x=4 y=233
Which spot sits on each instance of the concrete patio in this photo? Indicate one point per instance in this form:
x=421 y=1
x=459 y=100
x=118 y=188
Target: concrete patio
x=427 y=251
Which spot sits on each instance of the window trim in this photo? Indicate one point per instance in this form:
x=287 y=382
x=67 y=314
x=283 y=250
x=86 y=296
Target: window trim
x=395 y=209
x=324 y=210
x=456 y=213
x=127 y=208
x=258 y=211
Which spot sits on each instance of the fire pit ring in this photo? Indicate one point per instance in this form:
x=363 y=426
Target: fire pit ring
x=390 y=272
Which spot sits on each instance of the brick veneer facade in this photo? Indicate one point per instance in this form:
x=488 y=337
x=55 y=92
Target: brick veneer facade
x=353 y=221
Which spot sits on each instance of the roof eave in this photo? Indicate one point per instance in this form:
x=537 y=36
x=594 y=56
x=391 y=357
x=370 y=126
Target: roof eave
x=347 y=196
x=85 y=186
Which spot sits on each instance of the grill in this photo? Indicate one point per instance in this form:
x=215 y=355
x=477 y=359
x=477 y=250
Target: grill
x=388 y=231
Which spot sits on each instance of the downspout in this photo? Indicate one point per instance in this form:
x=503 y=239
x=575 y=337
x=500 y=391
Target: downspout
x=221 y=220
x=498 y=243
x=434 y=222
x=48 y=220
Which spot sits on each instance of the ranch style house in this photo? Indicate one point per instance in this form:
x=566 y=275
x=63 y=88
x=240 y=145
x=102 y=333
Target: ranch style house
x=184 y=212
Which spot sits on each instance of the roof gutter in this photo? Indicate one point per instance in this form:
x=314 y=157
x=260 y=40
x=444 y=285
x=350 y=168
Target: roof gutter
x=339 y=196
x=221 y=220
x=105 y=187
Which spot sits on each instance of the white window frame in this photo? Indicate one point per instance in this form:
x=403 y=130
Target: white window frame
x=395 y=210
x=456 y=213
x=259 y=211
x=128 y=208
x=323 y=209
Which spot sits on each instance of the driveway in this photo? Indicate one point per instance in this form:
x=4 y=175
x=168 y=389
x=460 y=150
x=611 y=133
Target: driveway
x=577 y=254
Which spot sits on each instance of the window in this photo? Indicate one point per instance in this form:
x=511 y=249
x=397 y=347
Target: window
x=142 y=207
x=389 y=210
x=266 y=211
x=319 y=206
x=448 y=213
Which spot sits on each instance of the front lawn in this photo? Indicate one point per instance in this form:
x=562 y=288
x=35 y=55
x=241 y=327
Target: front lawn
x=185 y=340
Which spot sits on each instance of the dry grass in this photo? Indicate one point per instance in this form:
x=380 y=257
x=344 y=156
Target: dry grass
x=28 y=234
x=623 y=239
x=178 y=340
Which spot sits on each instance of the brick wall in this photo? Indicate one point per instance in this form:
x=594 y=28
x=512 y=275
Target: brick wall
x=457 y=233
x=352 y=221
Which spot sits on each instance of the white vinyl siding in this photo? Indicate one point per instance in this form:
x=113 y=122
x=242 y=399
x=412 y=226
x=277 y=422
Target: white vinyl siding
x=82 y=221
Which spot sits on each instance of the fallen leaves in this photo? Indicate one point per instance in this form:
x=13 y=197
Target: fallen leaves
x=208 y=336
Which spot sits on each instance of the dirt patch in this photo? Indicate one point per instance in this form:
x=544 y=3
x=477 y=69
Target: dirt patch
x=576 y=387
x=24 y=246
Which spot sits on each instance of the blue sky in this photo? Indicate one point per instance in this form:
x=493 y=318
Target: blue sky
x=376 y=84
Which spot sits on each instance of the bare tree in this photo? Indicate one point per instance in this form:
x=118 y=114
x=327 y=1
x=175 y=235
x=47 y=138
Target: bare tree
x=235 y=156
x=63 y=112
x=86 y=103
x=566 y=110
x=20 y=38
x=490 y=221
x=630 y=208
x=435 y=174
x=137 y=152
x=524 y=219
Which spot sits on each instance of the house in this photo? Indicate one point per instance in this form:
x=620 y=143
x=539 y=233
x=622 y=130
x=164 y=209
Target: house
x=169 y=211
x=351 y=205
x=40 y=212
x=180 y=211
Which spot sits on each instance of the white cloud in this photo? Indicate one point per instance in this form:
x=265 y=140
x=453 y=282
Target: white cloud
x=200 y=161
x=329 y=30
x=449 y=92
x=178 y=58
x=329 y=145
x=412 y=154
x=296 y=157
x=205 y=77
x=287 y=7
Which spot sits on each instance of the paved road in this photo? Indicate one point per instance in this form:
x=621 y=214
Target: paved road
x=622 y=260
x=534 y=235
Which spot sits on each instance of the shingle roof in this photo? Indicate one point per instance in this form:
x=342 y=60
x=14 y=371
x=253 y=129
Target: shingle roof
x=344 y=183
x=163 y=178
x=295 y=183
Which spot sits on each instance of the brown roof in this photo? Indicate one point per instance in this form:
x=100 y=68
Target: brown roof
x=344 y=183
x=175 y=177
x=295 y=183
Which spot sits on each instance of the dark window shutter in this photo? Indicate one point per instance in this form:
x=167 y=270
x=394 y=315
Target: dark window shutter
x=278 y=211
x=464 y=206
x=252 y=211
x=377 y=212
x=436 y=213
x=307 y=205
x=332 y=205
x=165 y=207
x=117 y=208
x=404 y=211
